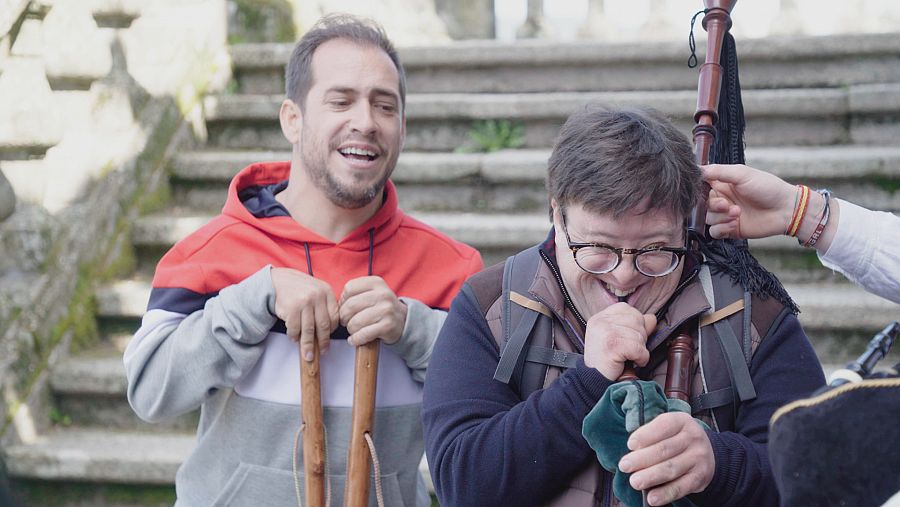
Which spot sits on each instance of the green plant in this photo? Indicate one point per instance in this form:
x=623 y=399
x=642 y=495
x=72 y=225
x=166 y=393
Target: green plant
x=887 y=184
x=58 y=418
x=261 y=21
x=232 y=88
x=494 y=135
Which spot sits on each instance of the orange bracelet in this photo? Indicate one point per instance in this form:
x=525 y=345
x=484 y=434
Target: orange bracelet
x=799 y=211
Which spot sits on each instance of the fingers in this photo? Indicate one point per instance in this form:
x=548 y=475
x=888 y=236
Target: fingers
x=368 y=307
x=671 y=479
x=292 y=327
x=649 y=323
x=723 y=218
x=616 y=335
x=722 y=206
x=307 y=333
x=308 y=308
x=733 y=174
x=663 y=427
x=352 y=305
x=626 y=345
x=361 y=285
x=671 y=458
x=367 y=325
x=674 y=490
x=371 y=310
x=723 y=231
x=325 y=321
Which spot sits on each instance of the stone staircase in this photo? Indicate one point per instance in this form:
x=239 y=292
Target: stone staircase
x=824 y=111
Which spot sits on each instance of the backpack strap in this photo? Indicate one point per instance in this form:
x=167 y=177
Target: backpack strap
x=526 y=335
x=552 y=357
x=510 y=350
x=516 y=321
x=725 y=359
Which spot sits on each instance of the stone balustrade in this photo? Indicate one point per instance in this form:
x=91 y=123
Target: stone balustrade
x=86 y=129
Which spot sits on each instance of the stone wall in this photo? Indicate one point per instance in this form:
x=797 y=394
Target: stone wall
x=666 y=20
x=407 y=22
x=93 y=125
x=7 y=198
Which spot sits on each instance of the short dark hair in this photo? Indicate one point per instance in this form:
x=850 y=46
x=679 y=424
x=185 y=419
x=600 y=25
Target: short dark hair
x=298 y=76
x=611 y=160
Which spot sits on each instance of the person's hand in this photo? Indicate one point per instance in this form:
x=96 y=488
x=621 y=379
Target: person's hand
x=614 y=335
x=308 y=308
x=370 y=310
x=671 y=458
x=747 y=203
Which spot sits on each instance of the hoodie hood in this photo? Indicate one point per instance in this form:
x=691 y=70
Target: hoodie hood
x=250 y=200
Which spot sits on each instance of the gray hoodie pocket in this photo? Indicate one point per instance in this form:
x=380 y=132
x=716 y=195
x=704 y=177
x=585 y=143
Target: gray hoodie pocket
x=254 y=486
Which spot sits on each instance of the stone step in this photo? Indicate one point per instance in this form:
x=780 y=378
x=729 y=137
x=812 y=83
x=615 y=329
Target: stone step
x=92 y=373
x=839 y=317
x=105 y=467
x=78 y=466
x=864 y=114
x=513 y=180
x=495 y=235
x=89 y=391
x=93 y=381
x=530 y=65
x=103 y=456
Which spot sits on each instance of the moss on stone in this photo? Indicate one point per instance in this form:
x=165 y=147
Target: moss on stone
x=79 y=319
x=141 y=495
x=801 y=260
x=39 y=494
x=262 y=21
x=156 y=200
x=890 y=185
x=124 y=260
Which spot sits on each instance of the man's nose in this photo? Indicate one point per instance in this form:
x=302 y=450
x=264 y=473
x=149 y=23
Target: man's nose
x=626 y=272
x=363 y=121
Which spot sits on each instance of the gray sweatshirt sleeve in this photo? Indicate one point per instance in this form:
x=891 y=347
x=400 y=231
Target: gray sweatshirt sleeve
x=175 y=362
x=419 y=334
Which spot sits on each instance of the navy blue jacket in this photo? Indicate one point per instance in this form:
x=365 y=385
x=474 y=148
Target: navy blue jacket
x=487 y=446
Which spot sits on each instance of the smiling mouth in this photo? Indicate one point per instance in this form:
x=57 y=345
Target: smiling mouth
x=359 y=154
x=620 y=294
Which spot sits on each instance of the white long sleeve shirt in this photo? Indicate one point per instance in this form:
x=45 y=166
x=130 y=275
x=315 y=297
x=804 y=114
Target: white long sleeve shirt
x=866 y=249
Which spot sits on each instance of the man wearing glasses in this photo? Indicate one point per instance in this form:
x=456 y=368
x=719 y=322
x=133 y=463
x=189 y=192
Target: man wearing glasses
x=613 y=277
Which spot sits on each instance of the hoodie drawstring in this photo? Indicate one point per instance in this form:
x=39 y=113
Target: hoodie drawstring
x=371 y=249
x=369 y=272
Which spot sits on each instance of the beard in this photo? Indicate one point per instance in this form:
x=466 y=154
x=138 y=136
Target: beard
x=342 y=194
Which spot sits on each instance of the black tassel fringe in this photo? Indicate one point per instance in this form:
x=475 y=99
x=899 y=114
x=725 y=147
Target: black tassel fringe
x=733 y=256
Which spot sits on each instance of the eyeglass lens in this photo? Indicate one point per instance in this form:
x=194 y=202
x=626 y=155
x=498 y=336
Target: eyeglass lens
x=604 y=260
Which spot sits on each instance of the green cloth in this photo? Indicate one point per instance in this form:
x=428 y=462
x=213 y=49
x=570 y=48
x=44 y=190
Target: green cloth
x=614 y=417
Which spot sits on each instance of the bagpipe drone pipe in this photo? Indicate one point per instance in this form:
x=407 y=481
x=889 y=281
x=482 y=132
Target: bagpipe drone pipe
x=841 y=446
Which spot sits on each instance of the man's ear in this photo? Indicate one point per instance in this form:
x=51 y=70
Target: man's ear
x=554 y=210
x=291 y=119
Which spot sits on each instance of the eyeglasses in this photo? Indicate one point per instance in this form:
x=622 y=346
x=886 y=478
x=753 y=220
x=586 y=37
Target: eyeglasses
x=600 y=259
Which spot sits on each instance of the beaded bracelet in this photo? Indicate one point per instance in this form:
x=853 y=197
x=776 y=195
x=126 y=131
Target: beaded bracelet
x=822 y=223
x=799 y=211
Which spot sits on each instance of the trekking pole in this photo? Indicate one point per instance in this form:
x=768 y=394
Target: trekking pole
x=313 y=430
x=365 y=380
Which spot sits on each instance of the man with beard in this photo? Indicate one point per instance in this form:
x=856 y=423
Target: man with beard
x=311 y=250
